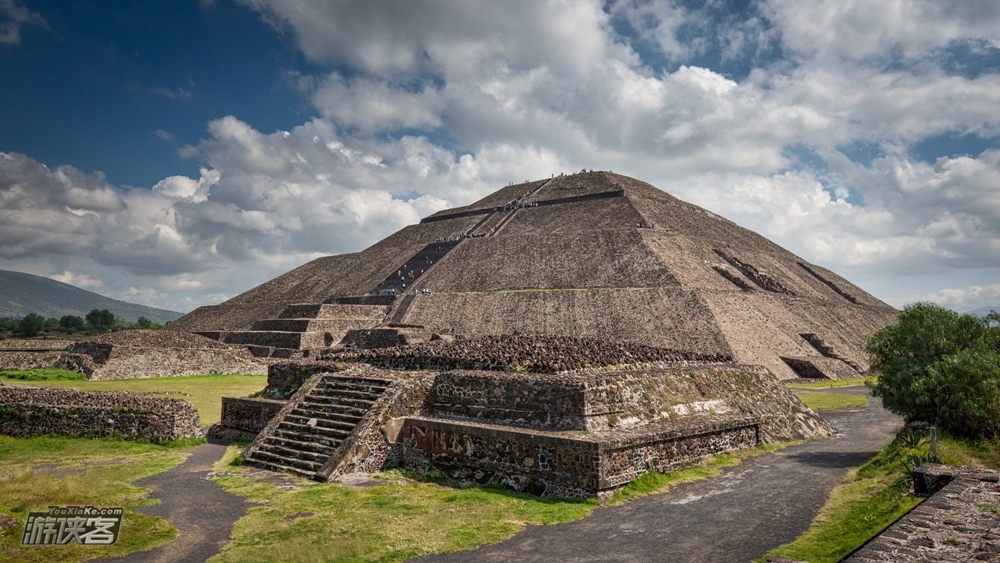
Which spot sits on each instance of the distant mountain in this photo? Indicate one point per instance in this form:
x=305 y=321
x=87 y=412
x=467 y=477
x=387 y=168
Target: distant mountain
x=21 y=294
x=983 y=311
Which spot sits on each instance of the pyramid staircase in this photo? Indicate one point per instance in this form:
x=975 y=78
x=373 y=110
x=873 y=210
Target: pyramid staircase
x=314 y=426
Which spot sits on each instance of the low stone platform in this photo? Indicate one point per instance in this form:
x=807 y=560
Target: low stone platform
x=133 y=354
x=577 y=434
x=959 y=522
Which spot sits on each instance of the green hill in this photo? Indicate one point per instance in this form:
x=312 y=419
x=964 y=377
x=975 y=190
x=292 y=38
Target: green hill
x=21 y=294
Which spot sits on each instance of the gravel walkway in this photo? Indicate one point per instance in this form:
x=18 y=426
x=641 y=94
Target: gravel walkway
x=201 y=511
x=737 y=517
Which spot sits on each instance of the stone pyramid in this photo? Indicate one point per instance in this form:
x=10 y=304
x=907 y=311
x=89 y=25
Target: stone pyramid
x=596 y=255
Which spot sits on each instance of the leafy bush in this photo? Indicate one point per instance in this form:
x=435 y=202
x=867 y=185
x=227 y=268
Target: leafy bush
x=100 y=320
x=31 y=325
x=940 y=367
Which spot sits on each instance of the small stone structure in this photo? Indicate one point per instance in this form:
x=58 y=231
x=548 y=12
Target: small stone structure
x=32 y=353
x=32 y=411
x=959 y=522
x=157 y=353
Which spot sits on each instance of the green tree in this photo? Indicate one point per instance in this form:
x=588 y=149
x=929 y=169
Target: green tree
x=71 y=323
x=940 y=367
x=143 y=322
x=100 y=320
x=31 y=325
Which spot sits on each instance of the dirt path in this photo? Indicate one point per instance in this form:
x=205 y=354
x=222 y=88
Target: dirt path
x=202 y=512
x=737 y=517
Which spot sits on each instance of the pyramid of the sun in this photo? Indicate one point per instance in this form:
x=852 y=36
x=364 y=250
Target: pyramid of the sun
x=596 y=255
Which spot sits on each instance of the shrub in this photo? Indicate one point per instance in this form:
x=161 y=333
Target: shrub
x=940 y=367
x=31 y=325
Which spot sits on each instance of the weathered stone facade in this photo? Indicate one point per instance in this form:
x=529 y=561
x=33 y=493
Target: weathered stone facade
x=31 y=411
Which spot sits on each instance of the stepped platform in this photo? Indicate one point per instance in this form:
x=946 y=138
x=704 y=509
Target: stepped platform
x=302 y=327
x=574 y=434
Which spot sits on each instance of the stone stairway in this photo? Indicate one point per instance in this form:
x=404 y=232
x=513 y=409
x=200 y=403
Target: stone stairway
x=312 y=430
x=402 y=279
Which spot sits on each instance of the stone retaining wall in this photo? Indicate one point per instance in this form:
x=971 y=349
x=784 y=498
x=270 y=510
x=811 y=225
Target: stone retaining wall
x=565 y=464
x=31 y=411
x=244 y=417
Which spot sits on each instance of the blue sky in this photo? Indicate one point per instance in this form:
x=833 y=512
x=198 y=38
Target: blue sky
x=176 y=154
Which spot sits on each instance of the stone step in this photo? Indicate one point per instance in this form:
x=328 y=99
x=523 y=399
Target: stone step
x=344 y=423
x=303 y=432
x=333 y=311
x=271 y=339
x=330 y=392
x=318 y=402
x=354 y=382
x=333 y=326
x=294 y=453
x=277 y=468
x=324 y=446
x=304 y=467
x=329 y=412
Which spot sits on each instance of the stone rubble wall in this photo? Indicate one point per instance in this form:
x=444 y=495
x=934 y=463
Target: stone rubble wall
x=244 y=417
x=29 y=360
x=130 y=363
x=34 y=344
x=529 y=353
x=31 y=411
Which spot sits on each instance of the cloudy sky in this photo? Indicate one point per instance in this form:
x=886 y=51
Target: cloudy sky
x=178 y=153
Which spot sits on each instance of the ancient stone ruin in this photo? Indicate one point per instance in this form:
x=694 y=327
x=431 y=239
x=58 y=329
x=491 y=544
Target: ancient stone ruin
x=593 y=255
x=560 y=337
x=132 y=354
x=158 y=353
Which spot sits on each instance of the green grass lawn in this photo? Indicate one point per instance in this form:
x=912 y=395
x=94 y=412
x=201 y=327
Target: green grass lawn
x=205 y=392
x=42 y=374
x=38 y=472
x=831 y=383
x=831 y=401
